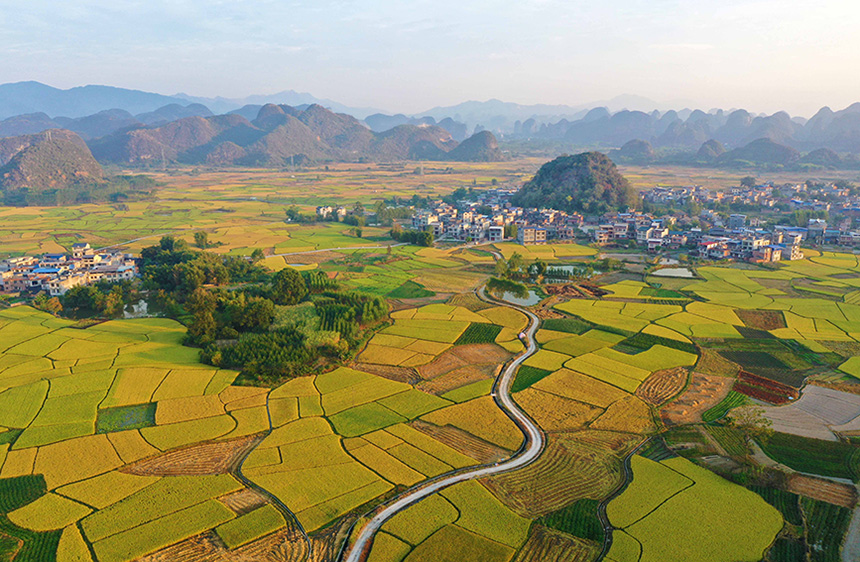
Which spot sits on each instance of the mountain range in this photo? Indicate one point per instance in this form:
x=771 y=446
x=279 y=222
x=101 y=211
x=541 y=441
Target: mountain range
x=42 y=153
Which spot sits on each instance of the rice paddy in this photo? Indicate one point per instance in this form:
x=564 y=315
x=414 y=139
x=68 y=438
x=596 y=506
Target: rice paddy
x=112 y=434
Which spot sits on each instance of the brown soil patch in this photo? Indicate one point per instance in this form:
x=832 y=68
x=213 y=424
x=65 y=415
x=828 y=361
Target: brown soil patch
x=399 y=374
x=548 y=545
x=243 y=501
x=662 y=385
x=851 y=387
x=564 y=290
x=209 y=458
x=703 y=392
x=462 y=356
x=459 y=440
x=480 y=353
x=584 y=464
x=762 y=319
x=712 y=363
x=824 y=490
x=325 y=544
x=457 y=378
x=286 y=545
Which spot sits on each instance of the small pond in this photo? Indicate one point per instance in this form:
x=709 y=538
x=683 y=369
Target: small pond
x=533 y=298
x=673 y=272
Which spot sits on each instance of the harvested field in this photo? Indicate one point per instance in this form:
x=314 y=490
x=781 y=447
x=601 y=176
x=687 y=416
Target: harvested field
x=630 y=414
x=817 y=413
x=209 y=458
x=457 y=378
x=391 y=372
x=469 y=301
x=662 y=385
x=585 y=464
x=762 y=319
x=712 y=363
x=548 y=545
x=463 y=355
x=462 y=442
x=243 y=501
x=703 y=392
x=828 y=491
x=286 y=545
x=554 y=413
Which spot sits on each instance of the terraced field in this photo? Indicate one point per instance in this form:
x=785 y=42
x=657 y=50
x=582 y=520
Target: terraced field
x=117 y=444
x=134 y=446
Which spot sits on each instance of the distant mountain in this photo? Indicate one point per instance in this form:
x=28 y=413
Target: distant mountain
x=50 y=160
x=281 y=135
x=760 y=152
x=33 y=97
x=587 y=182
x=100 y=124
x=480 y=147
x=173 y=112
x=27 y=124
x=380 y=122
x=287 y=97
x=710 y=151
x=634 y=152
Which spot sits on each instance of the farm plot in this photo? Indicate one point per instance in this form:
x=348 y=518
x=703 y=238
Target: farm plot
x=703 y=393
x=465 y=522
x=700 y=516
x=585 y=464
x=817 y=414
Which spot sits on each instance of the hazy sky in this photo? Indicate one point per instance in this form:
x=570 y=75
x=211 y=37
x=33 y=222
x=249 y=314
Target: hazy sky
x=410 y=55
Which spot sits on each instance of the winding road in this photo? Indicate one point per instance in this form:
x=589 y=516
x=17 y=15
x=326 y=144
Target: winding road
x=528 y=452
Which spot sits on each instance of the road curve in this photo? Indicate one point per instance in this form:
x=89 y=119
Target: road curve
x=530 y=450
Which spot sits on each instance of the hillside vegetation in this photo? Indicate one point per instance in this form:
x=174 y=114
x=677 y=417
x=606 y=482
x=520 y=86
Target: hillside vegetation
x=587 y=182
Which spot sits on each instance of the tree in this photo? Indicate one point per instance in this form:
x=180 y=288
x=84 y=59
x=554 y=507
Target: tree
x=288 y=287
x=47 y=304
x=538 y=267
x=112 y=304
x=751 y=422
x=511 y=231
x=257 y=255
x=252 y=315
x=83 y=299
x=201 y=239
x=358 y=208
x=202 y=304
x=748 y=182
x=167 y=243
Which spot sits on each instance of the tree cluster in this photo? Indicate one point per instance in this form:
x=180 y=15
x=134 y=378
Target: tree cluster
x=416 y=237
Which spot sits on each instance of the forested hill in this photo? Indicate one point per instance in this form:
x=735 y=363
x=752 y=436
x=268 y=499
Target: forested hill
x=588 y=183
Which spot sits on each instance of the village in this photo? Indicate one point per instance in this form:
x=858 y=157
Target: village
x=56 y=273
x=489 y=217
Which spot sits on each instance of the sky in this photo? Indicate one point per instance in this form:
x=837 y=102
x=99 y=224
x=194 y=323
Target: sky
x=411 y=55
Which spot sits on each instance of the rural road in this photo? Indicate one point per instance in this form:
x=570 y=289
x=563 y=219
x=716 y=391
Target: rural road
x=531 y=450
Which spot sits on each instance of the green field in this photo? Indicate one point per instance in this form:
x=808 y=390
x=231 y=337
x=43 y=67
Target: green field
x=710 y=519
x=107 y=432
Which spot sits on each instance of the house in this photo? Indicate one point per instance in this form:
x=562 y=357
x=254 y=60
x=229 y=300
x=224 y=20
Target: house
x=531 y=235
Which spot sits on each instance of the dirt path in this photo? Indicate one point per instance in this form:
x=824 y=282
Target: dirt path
x=851 y=548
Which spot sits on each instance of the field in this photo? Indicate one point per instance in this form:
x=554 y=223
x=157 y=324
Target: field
x=115 y=440
x=696 y=515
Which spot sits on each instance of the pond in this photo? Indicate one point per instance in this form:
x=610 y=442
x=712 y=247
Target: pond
x=673 y=272
x=530 y=300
